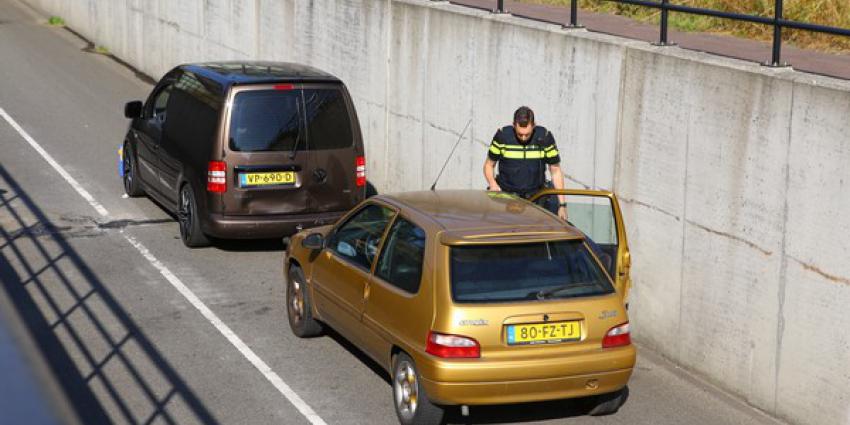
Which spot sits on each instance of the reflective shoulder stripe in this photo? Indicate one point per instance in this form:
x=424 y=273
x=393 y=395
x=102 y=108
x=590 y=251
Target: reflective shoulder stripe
x=552 y=153
x=550 y=147
x=495 y=150
x=497 y=144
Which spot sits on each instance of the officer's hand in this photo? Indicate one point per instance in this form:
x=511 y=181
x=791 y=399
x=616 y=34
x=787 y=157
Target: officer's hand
x=562 y=212
x=494 y=188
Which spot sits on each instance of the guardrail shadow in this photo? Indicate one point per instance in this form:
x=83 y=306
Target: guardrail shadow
x=107 y=368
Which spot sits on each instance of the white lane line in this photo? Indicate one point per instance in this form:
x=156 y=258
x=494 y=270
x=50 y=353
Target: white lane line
x=193 y=299
x=68 y=178
x=231 y=336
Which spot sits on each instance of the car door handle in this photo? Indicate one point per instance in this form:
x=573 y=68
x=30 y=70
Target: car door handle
x=366 y=291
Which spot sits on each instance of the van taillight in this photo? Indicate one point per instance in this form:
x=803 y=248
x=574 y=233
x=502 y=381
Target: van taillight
x=361 y=171
x=217 y=177
x=452 y=346
x=617 y=336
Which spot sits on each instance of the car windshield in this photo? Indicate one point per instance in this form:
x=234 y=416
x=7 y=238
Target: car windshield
x=516 y=272
x=283 y=120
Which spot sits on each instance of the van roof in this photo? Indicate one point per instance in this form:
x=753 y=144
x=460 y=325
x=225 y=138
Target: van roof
x=258 y=72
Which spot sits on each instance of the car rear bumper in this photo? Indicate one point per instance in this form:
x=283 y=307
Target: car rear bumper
x=483 y=381
x=480 y=393
x=265 y=226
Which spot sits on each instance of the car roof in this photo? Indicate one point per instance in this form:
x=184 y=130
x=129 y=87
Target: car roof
x=471 y=213
x=228 y=73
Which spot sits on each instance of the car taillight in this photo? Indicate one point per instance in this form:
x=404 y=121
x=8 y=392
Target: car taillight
x=452 y=346
x=217 y=177
x=617 y=336
x=361 y=171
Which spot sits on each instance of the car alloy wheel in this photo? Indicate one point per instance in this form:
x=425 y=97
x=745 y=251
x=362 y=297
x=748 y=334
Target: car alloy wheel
x=296 y=302
x=406 y=390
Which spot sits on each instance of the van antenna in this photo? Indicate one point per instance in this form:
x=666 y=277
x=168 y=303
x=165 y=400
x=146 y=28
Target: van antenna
x=433 y=186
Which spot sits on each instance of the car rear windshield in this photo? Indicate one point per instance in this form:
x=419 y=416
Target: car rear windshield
x=516 y=272
x=286 y=120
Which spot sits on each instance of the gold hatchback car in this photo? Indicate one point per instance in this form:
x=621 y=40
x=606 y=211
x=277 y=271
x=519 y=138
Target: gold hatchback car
x=473 y=297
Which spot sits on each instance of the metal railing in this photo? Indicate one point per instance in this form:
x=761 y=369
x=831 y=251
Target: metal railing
x=778 y=21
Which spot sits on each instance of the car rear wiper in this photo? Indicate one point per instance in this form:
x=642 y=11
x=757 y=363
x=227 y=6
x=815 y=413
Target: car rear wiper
x=547 y=293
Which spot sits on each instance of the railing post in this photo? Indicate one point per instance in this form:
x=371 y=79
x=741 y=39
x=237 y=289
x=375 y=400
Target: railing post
x=500 y=6
x=776 y=59
x=573 y=16
x=665 y=12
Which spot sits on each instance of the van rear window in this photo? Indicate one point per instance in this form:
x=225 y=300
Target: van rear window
x=517 y=272
x=283 y=120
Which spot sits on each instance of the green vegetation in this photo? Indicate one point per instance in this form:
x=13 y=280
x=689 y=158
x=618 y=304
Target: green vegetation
x=56 y=21
x=834 y=13
x=101 y=50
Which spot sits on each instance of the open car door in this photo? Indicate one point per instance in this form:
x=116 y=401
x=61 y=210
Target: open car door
x=597 y=214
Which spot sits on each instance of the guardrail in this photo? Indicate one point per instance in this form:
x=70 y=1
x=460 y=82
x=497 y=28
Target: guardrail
x=777 y=21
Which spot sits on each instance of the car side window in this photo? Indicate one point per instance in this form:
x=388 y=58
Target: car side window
x=400 y=264
x=358 y=239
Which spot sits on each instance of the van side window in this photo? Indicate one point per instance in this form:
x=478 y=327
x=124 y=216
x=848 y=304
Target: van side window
x=193 y=113
x=328 y=119
x=400 y=264
x=358 y=239
x=157 y=108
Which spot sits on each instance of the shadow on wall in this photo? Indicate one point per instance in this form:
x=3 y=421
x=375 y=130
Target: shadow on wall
x=85 y=336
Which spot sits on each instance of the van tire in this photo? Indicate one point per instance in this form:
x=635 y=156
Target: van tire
x=608 y=404
x=421 y=411
x=132 y=185
x=188 y=219
x=299 y=309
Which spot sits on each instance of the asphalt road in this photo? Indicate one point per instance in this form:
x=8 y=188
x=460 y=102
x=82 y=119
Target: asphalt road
x=122 y=324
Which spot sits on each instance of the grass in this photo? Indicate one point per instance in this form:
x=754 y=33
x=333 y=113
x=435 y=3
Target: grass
x=835 y=13
x=56 y=21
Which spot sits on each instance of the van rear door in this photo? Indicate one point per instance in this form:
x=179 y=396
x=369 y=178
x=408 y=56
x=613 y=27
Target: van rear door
x=263 y=131
x=334 y=149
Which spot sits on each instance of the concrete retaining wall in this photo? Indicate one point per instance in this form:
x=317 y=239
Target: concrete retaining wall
x=733 y=177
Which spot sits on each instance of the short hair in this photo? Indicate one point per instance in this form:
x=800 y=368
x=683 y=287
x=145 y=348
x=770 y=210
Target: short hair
x=524 y=116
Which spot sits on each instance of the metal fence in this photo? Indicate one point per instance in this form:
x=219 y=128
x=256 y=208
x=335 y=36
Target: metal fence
x=778 y=22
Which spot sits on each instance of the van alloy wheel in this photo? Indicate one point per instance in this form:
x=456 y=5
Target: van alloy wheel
x=406 y=390
x=132 y=185
x=184 y=213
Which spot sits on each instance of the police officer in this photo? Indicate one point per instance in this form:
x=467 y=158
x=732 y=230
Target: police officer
x=523 y=152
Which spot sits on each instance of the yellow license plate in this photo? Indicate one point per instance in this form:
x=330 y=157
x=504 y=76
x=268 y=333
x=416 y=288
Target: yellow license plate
x=266 y=179
x=544 y=333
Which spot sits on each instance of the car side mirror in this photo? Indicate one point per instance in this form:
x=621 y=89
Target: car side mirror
x=314 y=241
x=133 y=109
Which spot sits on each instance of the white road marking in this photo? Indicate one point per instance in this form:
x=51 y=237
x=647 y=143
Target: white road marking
x=231 y=336
x=68 y=178
x=193 y=299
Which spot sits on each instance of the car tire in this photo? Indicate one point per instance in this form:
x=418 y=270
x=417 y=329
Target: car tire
x=411 y=403
x=187 y=217
x=299 y=309
x=608 y=404
x=132 y=185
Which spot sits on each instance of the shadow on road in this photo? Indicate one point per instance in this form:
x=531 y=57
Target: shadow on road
x=105 y=366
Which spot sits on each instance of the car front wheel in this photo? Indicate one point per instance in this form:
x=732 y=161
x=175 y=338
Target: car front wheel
x=132 y=185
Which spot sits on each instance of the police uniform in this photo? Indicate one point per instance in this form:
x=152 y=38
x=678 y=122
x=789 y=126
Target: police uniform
x=522 y=166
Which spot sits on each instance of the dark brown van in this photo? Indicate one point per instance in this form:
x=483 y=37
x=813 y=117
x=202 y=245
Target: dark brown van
x=244 y=150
